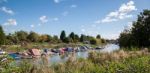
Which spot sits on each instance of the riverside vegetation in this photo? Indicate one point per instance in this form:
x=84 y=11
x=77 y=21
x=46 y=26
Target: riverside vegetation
x=116 y=62
x=126 y=60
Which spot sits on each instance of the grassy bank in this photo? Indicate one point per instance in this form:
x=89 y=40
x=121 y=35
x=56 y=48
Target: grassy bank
x=116 y=62
x=19 y=48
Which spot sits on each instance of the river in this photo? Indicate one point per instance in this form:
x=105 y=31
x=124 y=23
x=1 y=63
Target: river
x=53 y=59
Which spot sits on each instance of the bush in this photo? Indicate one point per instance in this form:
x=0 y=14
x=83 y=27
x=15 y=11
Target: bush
x=93 y=41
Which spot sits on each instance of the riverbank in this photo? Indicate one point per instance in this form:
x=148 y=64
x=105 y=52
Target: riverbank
x=116 y=62
x=61 y=54
x=20 y=48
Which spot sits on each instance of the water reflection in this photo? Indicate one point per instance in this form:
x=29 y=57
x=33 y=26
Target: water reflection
x=110 y=48
x=53 y=59
x=63 y=58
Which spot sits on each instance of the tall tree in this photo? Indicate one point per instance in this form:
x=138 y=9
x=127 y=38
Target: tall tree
x=77 y=39
x=82 y=38
x=139 y=35
x=98 y=37
x=93 y=41
x=63 y=36
x=72 y=36
x=33 y=37
x=12 y=39
x=49 y=38
x=2 y=36
x=141 y=29
x=55 y=39
x=22 y=35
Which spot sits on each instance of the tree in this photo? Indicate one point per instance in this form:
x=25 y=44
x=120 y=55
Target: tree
x=62 y=36
x=82 y=38
x=55 y=39
x=49 y=38
x=77 y=39
x=124 y=39
x=13 y=38
x=33 y=37
x=43 y=38
x=93 y=41
x=72 y=37
x=68 y=40
x=22 y=35
x=141 y=29
x=103 y=40
x=98 y=37
x=139 y=35
x=2 y=36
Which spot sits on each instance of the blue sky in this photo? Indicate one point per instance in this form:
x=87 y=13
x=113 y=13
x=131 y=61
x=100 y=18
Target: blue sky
x=91 y=17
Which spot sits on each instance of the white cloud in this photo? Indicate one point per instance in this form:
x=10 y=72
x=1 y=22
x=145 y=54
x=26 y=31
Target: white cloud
x=111 y=36
x=1 y=1
x=125 y=8
x=43 y=19
x=11 y=22
x=57 y=1
x=55 y=19
x=121 y=13
x=89 y=30
x=107 y=19
x=92 y=32
x=32 y=26
x=83 y=30
x=7 y=10
x=113 y=14
x=65 y=13
x=73 y=6
x=39 y=24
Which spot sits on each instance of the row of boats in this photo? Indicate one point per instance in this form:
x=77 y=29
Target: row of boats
x=34 y=53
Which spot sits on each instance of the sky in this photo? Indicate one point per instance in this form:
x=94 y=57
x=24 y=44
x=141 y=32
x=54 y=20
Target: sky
x=91 y=17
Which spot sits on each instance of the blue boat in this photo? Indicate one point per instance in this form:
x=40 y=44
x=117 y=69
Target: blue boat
x=15 y=56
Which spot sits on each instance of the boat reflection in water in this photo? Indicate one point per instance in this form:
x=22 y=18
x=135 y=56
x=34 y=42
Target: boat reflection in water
x=56 y=58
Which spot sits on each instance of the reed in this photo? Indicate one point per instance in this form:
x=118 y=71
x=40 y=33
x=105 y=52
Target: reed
x=117 y=62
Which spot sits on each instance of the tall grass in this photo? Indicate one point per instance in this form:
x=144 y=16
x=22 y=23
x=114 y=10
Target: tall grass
x=116 y=62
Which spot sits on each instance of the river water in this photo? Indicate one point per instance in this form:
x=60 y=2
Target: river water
x=54 y=59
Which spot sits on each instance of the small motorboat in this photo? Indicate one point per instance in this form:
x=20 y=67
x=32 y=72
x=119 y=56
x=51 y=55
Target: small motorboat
x=2 y=52
x=98 y=48
x=15 y=56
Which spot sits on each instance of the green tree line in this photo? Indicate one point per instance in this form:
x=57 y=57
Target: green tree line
x=23 y=37
x=139 y=34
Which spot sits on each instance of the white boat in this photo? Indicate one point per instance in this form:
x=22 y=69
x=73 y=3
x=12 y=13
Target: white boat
x=2 y=52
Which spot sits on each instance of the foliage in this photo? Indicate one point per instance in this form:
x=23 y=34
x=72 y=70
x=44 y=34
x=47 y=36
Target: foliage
x=116 y=62
x=93 y=41
x=82 y=38
x=98 y=37
x=24 y=38
x=139 y=35
x=141 y=29
x=63 y=36
x=33 y=37
x=103 y=40
x=8 y=65
x=2 y=36
x=21 y=35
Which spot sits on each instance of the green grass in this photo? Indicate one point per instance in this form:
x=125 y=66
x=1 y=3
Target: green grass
x=19 y=48
x=116 y=62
